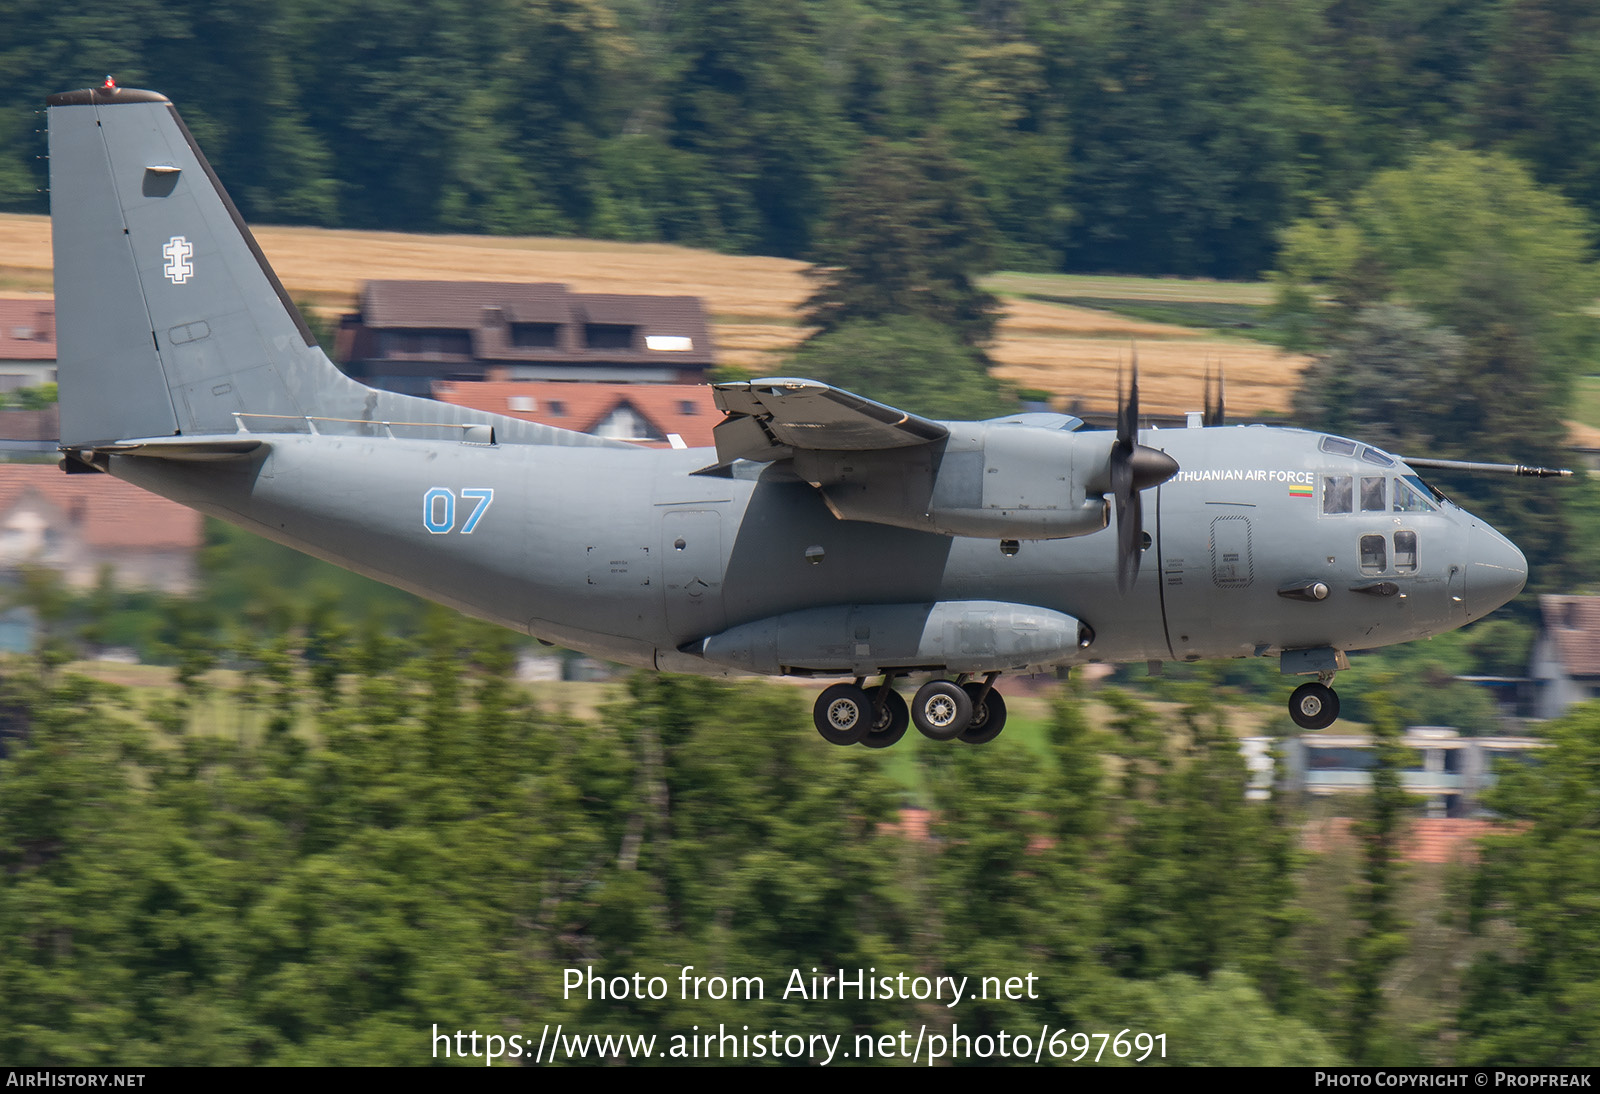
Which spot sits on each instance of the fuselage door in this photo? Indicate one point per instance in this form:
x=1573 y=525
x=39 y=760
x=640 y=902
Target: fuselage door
x=1231 y=564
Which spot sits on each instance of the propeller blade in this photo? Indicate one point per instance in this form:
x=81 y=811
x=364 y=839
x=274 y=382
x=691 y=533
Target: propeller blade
x=1128 y=411
x=1134 y=467
x=1130 y=530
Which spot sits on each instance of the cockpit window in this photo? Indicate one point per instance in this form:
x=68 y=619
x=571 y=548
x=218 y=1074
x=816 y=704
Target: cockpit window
x=1407 y=497
x=1372 y=499
x=1336 y=493
x=1373 y=455
x=1339 y=446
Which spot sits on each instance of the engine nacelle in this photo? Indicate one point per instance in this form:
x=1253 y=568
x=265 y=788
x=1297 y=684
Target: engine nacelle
x=987 y=480
x=866 y=639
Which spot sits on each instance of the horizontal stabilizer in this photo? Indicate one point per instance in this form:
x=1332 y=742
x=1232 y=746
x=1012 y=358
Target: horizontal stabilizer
x=175 y=448
x=770 y=419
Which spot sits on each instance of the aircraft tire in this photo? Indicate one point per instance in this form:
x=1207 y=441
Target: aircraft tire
x=1314 y=706
x=987 y=720
x=843 y=714
x=941 y=710
x=892 y=726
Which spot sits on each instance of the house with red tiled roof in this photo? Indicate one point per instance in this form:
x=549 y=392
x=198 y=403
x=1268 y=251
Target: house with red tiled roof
x=410 y=334
x=1565 y=665
x=80 y=524
x=27 y=342
x=650 y=414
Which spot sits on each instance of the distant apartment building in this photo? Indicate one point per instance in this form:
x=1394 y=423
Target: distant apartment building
x=409 y=335
x=27 y=342
x=648 y=414
x=1449 y=771
x=30 y=432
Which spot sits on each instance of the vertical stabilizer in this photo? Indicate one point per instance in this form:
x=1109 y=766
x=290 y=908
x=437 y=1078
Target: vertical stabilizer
x=169 y=319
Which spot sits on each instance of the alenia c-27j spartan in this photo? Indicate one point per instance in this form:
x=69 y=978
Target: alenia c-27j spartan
x=826 y=535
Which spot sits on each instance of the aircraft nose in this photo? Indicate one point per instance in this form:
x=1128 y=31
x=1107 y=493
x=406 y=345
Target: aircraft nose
x=1496 y=570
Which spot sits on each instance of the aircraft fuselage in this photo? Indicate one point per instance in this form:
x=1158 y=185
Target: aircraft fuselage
x=630 y=555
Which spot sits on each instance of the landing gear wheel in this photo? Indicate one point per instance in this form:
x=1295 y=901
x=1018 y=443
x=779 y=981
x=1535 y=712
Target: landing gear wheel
x=1314 y=706
x=891 y=726
x=843 y=714
x=988 y=718
x=941 y=710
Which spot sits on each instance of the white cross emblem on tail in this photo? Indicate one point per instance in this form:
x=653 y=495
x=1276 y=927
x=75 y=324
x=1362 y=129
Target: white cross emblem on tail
x=178 y=251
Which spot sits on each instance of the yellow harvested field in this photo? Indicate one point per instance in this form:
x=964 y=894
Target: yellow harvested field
x=1072 y=352
x=1171 y=373
x=333 y=265
x=756 y=346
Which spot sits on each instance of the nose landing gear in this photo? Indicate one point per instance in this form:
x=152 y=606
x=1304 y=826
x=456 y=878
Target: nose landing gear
x=847 y=714
x=1314 y=706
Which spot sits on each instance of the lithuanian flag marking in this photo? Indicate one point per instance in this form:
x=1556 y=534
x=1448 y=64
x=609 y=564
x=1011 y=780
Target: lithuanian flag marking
x=1298 y=491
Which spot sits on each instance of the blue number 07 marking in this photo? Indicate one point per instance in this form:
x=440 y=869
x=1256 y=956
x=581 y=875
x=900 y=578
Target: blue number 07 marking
x=439 y=509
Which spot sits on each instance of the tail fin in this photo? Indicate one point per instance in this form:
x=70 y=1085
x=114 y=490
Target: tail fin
x=168 y=318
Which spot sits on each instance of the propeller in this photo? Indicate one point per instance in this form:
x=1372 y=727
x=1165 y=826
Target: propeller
x=1215 y=413
x=1133 y=468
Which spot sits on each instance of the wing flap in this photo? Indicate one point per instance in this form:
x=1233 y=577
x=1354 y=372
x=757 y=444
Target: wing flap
x=768 y=419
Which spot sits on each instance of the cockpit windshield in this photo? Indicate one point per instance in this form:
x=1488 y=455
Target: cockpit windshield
x=1411 y=495
x=1341 y=492
x=1427 y=491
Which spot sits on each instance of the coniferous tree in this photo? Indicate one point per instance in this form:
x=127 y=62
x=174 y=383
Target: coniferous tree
x=906 y=237
x=1381 y=939
x=1532 y=999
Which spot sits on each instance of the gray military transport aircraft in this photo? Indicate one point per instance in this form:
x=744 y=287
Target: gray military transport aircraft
x=827 y=535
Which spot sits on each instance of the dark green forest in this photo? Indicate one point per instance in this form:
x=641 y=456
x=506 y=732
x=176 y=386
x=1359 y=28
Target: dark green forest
x=347 y=839
x=1139 y=136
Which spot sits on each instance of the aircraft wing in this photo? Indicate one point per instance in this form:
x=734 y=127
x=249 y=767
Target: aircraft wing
x=769 y=419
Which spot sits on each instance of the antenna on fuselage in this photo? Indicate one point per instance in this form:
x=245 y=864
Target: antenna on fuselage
x=1215 y=412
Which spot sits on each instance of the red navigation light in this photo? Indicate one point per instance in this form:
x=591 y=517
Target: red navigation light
x=109 y=85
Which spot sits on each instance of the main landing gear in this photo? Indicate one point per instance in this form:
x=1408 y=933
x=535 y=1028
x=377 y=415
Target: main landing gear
x=1315 y=706
x=847 y=714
